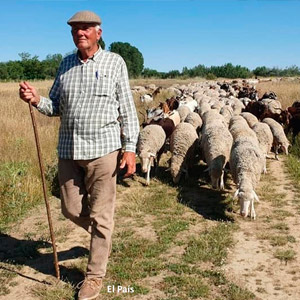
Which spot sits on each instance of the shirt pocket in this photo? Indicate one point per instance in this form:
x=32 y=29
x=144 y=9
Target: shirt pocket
x=103 y=84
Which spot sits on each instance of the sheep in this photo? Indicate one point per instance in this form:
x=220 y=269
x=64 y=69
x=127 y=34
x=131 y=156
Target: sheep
x=250 y=118
x=216 y=142
x=211 y=116
x=227 y=112
x=247 y=162
x=239 y=128
x=183 y=144
x=236 y=105
x=274 y=106
x=279 y=138
x=203 y=108
x=265 y=138
x=246 y=165
x=194 y=119
x=183 y=112
x=147 y=98
x=150 y=147
x=191 y=103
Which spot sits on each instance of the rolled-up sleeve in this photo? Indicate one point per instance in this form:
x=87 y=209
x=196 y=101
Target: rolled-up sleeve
x=128 y=115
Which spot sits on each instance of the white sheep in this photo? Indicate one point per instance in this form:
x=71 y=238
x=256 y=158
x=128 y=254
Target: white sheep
x=150 y=147
x=183 y=144
x=265 y=138
x=250 y=118
x=227 y=112
x=246 y=162
x=280 y=140
x=147 y=98
x=194 y=119
x=183 y=112
x=191 y=103
x=216 y=142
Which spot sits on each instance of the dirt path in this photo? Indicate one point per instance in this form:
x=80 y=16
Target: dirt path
x=251 y=263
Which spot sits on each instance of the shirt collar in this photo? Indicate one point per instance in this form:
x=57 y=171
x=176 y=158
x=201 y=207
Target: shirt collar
x=93 y=58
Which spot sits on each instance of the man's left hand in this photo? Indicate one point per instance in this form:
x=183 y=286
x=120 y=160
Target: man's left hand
x=128 y=159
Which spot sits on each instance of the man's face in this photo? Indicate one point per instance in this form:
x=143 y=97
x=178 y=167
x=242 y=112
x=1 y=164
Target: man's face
x=85 y=35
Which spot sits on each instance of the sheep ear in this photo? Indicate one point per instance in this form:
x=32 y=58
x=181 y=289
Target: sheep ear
x=152 y=154
x=255 y=196
x=236 y=194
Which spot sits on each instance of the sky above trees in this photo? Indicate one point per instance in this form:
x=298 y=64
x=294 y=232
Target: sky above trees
x=171 y=34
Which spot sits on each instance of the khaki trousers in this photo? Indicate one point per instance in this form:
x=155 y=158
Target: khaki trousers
x=88 y=192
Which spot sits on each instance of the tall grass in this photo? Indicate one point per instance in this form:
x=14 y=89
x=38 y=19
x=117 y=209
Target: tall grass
x=20 y=186
x=287 y=90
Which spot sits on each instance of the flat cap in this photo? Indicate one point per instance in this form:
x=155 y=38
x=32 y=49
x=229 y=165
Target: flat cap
x=84 y=16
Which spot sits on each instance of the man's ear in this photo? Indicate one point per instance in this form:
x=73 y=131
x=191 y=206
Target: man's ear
x=99 y=33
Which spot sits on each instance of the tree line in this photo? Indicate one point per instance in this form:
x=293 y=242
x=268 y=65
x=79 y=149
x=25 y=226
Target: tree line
x=31 y=68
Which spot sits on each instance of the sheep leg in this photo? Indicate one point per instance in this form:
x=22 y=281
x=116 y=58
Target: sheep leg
x=265 y=166
x=276 y=152
x=222 y=181
x=252 y=212
x=148 y=174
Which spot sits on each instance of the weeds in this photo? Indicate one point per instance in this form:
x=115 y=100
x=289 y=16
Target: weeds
x=211 y=245
x=285 y=255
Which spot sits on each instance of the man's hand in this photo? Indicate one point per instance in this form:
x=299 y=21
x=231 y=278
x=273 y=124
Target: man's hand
x=28 y=93
x=128 y=159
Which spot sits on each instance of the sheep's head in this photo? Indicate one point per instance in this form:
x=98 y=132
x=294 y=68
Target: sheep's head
x=147 y=160
x=285 y=147
x=175 y=173
x=246 y=200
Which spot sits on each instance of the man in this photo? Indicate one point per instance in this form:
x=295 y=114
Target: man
x=92 y=96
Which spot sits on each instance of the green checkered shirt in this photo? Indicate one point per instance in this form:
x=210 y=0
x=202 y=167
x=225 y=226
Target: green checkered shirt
x=94 y=101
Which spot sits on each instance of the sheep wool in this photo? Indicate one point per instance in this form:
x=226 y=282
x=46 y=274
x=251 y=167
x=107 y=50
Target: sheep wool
x=279 y=138
x=182 y=145
x=149 y=147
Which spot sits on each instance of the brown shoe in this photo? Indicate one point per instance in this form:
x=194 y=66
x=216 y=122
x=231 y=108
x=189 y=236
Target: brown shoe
x=89 y=289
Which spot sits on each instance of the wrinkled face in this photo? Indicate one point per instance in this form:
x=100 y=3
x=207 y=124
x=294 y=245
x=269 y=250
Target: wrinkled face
x=85 y=36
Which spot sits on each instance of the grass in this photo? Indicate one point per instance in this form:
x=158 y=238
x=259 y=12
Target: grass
x=285 y=255
x=210 y=246
x=7 y=276
x=60 y=291
x=20 y=187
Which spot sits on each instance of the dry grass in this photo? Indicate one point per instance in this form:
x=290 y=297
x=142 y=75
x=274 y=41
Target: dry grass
x=20 y=186
x=287 y=90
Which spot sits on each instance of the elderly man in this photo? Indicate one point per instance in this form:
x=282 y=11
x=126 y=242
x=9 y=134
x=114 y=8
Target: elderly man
x=92 y=96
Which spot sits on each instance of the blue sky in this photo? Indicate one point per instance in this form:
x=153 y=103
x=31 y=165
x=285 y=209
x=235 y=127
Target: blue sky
x=171 y=34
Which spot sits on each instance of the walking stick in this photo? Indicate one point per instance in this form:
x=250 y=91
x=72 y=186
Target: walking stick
x=37 y=143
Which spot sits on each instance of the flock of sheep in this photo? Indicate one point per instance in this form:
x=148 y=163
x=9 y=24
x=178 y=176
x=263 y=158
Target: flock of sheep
x=207 y=121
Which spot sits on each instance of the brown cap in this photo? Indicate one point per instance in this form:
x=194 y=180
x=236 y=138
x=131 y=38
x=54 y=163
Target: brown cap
x=85 y=16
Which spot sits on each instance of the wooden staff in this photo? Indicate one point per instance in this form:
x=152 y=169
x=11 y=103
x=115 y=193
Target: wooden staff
x=37 y=143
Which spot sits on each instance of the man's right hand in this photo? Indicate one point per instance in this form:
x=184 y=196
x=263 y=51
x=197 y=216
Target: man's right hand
x=28 y=93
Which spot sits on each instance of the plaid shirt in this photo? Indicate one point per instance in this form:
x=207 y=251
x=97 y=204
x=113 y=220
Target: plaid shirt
x=93 y=100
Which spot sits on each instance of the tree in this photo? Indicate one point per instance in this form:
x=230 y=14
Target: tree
x=101 y=43
x=132 y=56
x=51 y=64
